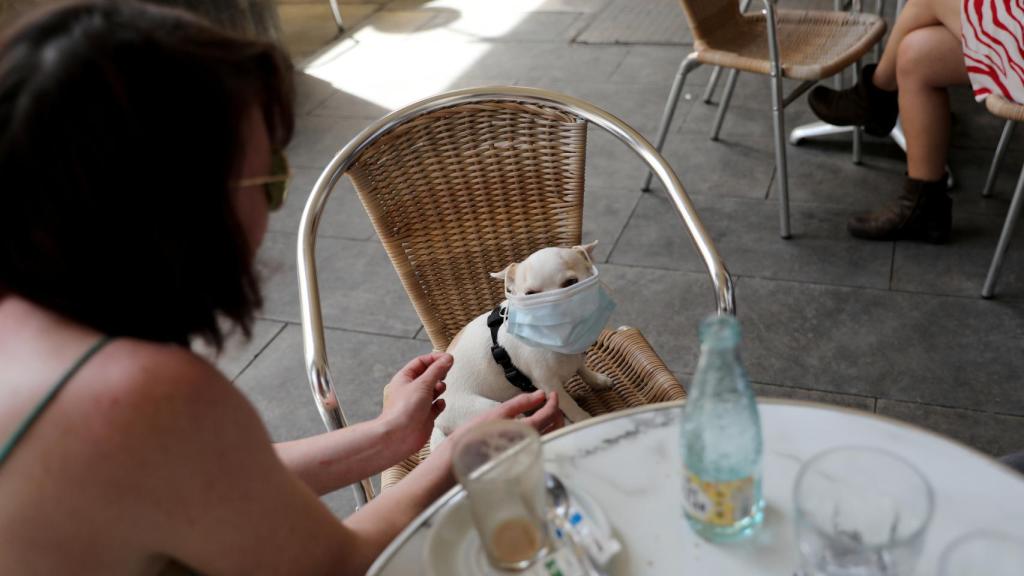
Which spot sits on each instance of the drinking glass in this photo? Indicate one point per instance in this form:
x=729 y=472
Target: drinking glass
x=983 y=553
x=499 y=465
x=860 y=512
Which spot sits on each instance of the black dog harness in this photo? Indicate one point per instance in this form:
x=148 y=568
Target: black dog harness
x=512 y=374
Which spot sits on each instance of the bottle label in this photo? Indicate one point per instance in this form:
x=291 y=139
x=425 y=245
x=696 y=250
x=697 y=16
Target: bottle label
x=717 y=503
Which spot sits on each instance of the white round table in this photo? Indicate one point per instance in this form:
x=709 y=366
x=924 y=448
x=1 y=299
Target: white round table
x=629 y=463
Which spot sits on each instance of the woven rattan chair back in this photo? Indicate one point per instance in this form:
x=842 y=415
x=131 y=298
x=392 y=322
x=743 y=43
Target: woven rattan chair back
x=464 y=191
x=706 y=17
x=462 y=184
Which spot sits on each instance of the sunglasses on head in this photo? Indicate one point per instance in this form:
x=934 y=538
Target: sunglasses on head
x=275 y=184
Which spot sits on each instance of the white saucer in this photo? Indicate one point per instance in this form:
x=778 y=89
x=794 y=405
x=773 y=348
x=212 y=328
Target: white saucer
x=453 y=545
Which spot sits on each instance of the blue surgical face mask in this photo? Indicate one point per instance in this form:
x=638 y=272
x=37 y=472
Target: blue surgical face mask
x=567 y=320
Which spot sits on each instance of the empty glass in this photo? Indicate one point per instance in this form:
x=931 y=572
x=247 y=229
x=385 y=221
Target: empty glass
x=983 y=553
x=860 y=512
x=499 y=465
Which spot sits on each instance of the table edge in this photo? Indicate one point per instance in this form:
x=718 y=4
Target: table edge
x=454 y=491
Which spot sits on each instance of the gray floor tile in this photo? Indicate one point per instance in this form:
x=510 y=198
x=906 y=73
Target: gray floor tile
x=639 y=105
x=743 y=121
x=560 y=61
x=960 y=267
x=666 y=306
x=821 y=173
x=754 y=91
x=587 y=6
x=865 y=403
x=510 y=25
x=646 y=64
x=239 y=352
x=630 y=22
x=361 y=364
x=310 y=92
x=746 y=235
x=995 y=434
x=345 y=105
x=605 y=213
x=938 y=350
x=544 y=6
x=397 y=22
x=342 y=503
x=359 y=289
x=343 y=216
x=611 y=164
x=740 y=167
x=973 y=126
x=970 y=169
x=309 y=27
x=319 y=138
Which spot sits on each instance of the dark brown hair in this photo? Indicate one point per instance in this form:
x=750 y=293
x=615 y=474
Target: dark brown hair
x=120 y=131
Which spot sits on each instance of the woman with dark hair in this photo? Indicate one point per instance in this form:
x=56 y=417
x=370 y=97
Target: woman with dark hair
x=139 y=155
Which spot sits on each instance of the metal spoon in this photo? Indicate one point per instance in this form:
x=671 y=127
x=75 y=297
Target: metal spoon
x=558 y=497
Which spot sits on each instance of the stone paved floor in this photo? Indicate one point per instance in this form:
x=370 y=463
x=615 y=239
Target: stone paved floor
x=895 y=328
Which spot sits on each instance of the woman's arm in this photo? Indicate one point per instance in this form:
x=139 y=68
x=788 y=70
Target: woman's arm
x=188 y=472
x=327 y=462
x=380 y=521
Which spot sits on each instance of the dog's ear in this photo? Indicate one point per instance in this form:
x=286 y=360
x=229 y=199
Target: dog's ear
x=587 y=249
x=508 y=276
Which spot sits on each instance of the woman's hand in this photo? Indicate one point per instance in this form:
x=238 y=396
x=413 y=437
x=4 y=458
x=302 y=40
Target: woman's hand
x=547 y=417
x=411 y=401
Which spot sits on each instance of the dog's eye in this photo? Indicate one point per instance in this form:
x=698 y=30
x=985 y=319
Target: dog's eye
x=568 y=282
x=528 y=292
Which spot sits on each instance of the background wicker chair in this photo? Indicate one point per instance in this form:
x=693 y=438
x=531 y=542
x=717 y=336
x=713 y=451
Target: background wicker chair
x=462 y=184
x=1012 y=113
x=807 y=45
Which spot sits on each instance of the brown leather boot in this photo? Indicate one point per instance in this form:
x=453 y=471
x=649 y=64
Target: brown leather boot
x=923 y=211
x=862 y=105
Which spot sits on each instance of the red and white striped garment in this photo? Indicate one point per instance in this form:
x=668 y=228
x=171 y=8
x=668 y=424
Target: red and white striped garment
x=993 y=36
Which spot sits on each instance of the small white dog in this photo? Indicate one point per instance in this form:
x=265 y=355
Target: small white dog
x=556 y=308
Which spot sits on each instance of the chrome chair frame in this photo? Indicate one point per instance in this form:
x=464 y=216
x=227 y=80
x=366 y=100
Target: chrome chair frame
x=1012 y=215
x=336 y=11
x=779 y=104
x=315 y=351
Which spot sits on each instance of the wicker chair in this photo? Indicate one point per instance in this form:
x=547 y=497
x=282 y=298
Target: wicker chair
x=807 y=45
x=464 y=183
x=1012 y=113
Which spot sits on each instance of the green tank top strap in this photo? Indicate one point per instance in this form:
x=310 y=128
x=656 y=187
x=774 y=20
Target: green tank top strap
x=23 y=428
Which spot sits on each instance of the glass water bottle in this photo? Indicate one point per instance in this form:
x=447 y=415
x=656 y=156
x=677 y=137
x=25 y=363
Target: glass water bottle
x=721 y=440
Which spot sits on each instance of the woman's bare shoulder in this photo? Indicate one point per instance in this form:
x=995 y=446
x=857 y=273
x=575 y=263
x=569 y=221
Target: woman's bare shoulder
x=138 y=391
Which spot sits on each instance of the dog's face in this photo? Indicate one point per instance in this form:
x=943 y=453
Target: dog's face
x=547 y=269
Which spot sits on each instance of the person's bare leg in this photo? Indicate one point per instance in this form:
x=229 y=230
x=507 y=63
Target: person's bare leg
x=930 y=59
x=916 y=14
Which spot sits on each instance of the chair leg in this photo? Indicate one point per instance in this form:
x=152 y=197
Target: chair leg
x=857 y=135
x=723 y=106
x=336 y=10
x=1004 y=141
x=1004 y=239
x=709 y=92
x=781 y=174
x=685 y=67
x=778 y=120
